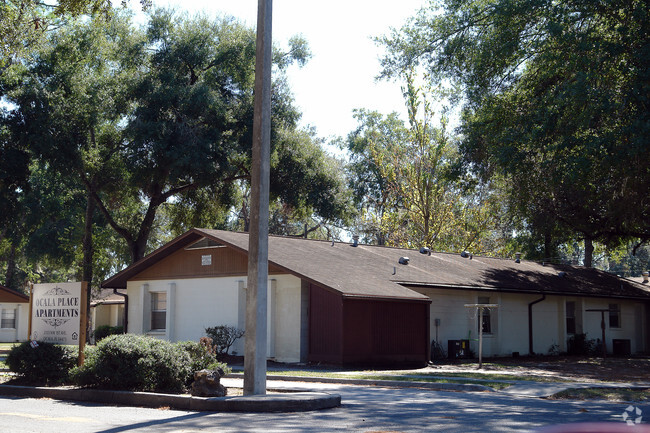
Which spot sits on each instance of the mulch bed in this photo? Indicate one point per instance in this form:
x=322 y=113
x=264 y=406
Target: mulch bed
x=573 y=368
x=607 y=370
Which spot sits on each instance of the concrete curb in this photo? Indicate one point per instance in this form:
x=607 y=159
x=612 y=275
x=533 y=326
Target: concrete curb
x=440 y=386
x=285 y=402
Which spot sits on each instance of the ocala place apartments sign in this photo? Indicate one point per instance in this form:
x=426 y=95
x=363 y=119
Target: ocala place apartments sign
x=56 y=312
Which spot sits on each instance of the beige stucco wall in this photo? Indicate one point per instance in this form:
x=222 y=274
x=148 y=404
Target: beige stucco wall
x=631 y=328
x=510 y=321
x=286 y=310
x=19 y=333
x=197 y=303
x=107 y=315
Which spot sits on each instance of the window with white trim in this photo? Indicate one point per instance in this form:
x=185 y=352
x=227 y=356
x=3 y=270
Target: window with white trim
x=8 y=319
x=158 y=311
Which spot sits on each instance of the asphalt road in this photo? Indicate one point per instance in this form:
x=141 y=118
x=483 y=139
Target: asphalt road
x=364 y=409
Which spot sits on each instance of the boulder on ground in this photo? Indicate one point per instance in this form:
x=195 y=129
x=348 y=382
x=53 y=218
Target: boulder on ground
x=207 y=383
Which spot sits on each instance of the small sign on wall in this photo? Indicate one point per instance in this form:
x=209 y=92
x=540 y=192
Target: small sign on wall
x=206 y=260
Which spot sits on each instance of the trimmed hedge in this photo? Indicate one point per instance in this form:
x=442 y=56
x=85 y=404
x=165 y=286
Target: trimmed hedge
x=140 y=363
x=104 y=331
x=135 y=363
x=44 y=363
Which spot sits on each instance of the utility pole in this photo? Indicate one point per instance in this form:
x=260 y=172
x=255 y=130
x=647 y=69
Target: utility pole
x=258 y=241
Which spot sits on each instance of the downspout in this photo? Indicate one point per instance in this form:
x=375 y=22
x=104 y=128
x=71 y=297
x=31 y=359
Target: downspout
x=126 y=309
x=530 y=323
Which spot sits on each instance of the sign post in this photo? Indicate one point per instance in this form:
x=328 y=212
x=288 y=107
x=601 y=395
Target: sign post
x=31 y=298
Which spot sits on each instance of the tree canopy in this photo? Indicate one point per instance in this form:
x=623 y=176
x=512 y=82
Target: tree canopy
x=405 y=183
x=138 y=117
x=130 y=134
x=23 y=23
x=555 y=99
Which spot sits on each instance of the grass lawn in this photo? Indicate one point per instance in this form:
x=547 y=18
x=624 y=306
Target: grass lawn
x=381 y=376
x=5 y=346
x=431 y=379
x=611 y=394
x=498 y=376
x=423 y=377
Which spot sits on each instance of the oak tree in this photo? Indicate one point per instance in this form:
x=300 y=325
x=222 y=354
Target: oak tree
x=555 y=98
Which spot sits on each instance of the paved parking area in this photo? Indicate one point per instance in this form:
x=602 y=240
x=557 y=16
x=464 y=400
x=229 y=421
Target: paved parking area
x=364 y=409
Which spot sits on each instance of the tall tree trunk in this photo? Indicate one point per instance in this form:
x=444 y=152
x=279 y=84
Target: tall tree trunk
x=589 y=252
x=244 y=215
x=11 y=267
x=87 y=242
x=139 y=246
x=548 y=247
x=87 y=264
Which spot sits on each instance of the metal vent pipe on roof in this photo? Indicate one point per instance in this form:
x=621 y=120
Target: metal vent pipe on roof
x=355 y=240
x=517 y=257
x=645 y=276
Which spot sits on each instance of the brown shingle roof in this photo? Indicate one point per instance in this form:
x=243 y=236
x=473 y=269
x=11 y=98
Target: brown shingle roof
x=375 y=272
x=354 y=272
x=10 y=295
x=106 y=297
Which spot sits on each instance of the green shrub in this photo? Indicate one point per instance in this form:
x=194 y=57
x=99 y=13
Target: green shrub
x=578 y=344
x=224 y=337
x=44 y=363
x=202 y=356
x=136 y=363
x=104 y=331
x=554 y=350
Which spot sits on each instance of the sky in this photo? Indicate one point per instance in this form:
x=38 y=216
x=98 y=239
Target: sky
x=345 y=61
